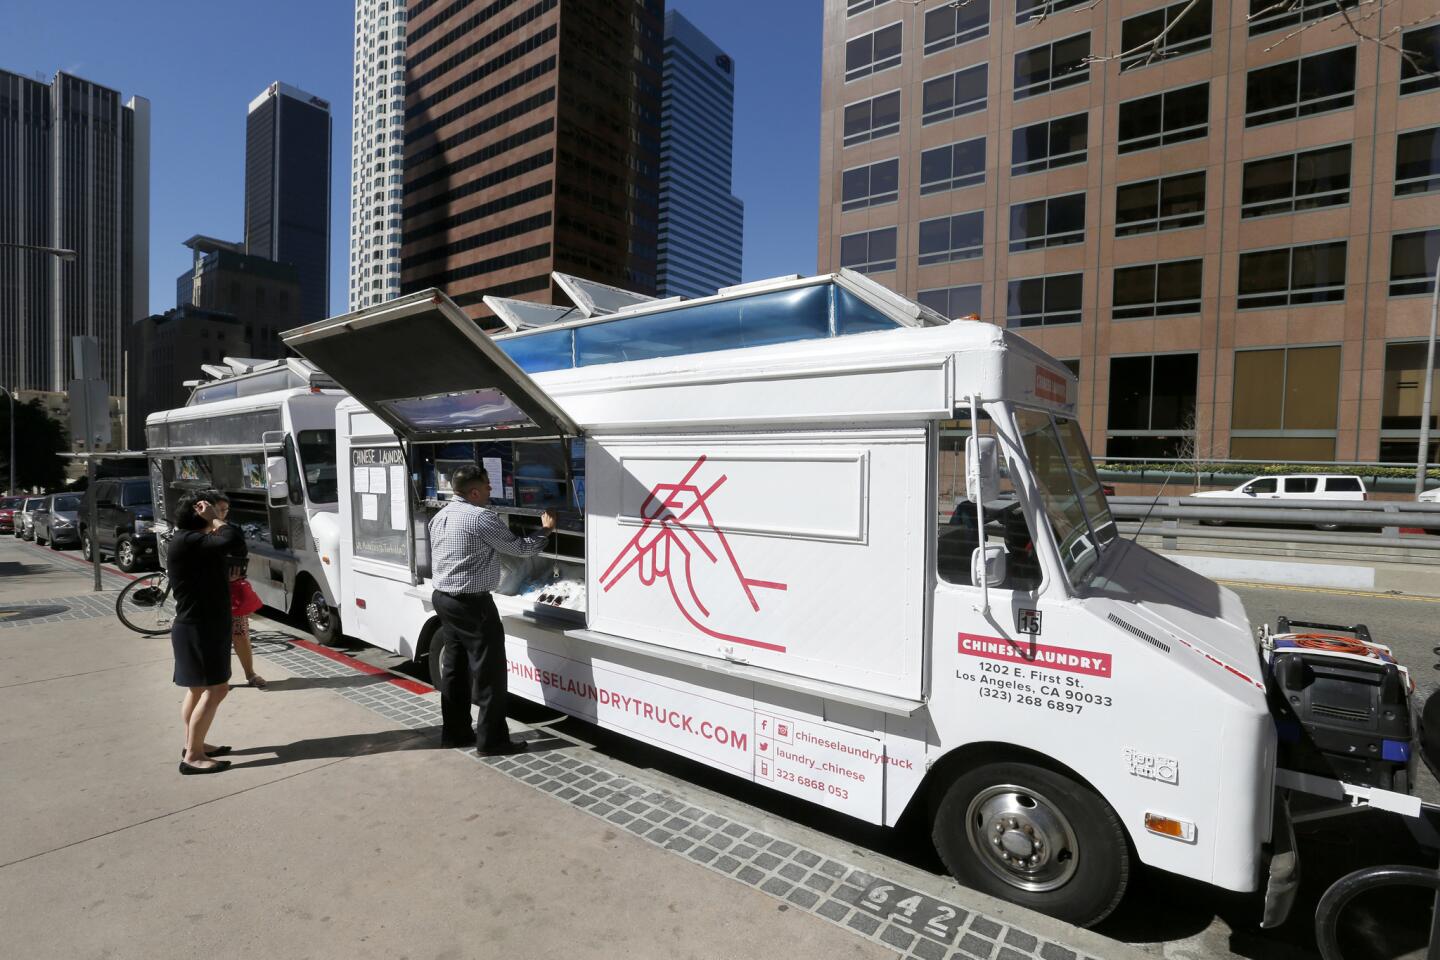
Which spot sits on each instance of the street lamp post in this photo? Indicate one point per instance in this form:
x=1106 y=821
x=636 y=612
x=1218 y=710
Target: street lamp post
x=60 y=253
x=1423 y=457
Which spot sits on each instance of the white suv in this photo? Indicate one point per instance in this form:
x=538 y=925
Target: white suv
x=1302 y=486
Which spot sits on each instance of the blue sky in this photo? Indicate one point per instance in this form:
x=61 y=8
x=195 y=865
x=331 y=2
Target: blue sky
x=200 y=64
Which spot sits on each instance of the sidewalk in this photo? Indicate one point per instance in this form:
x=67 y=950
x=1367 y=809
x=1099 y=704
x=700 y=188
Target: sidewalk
x=344 y=831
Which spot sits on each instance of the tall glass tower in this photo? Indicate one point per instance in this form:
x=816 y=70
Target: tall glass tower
x=701 y=222
x=377 y=145
x=287 y=189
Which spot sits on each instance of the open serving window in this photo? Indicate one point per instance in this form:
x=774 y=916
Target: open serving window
x=430 y=373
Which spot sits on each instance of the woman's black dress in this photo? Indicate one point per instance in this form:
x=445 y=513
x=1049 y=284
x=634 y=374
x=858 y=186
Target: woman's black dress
x=200 y=635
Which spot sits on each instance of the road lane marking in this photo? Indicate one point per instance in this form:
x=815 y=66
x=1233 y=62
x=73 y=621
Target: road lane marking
x=1251 y=585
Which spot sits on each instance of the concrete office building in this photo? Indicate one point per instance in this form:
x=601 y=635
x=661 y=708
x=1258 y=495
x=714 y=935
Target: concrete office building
x=701 y=222
x=228 y=304
x=532 y=144
x=377 y=141
x=74 y=174
x=1232 y=240
x=287 y=189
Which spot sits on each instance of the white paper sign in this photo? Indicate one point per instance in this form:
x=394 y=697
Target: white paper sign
x=369 y=507
x=398 y=505
x=495 y=473
x=377 y=479
x=361 y=477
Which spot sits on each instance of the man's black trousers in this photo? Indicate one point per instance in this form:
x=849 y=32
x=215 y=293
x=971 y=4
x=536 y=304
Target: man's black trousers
x=472 y=668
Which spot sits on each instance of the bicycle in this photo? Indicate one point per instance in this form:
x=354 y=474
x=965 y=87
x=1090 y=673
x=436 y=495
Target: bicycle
x=147 y=604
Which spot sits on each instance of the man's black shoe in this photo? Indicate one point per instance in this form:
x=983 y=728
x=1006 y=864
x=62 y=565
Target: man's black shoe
x=504 y=750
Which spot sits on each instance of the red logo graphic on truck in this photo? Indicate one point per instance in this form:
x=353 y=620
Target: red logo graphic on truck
x=1091 y=662
x=1049 y=385
x=670 y=543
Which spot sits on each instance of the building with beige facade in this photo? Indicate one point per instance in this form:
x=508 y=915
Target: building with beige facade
x=1230 y=235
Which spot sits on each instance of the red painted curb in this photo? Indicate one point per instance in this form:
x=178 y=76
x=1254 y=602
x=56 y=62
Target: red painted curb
x=84 y=563
x=404 y=683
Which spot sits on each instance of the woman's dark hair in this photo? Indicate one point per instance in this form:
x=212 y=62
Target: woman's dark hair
x=214 y=496
x=185 y=516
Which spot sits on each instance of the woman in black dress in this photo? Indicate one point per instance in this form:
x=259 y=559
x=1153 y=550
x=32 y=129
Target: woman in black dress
x=197 y=564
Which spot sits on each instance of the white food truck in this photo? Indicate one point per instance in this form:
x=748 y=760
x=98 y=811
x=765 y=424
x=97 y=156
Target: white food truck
x=819 y=537
x=262 y=432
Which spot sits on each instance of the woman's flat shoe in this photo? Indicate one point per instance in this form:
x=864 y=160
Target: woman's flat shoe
x=189 y=769
x=256 y=681
x=211 y=753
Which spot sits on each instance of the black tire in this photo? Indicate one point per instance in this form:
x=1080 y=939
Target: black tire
x=432 y=656
x=35 y=535
x=321 y=619
x=1034 y=837
x=147 y=605
x=87 y=547
x=52 y=544
x=125 y=556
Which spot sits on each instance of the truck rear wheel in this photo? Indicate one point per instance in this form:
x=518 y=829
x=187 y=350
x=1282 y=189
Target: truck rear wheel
x=322 y=621
x=1034 y=837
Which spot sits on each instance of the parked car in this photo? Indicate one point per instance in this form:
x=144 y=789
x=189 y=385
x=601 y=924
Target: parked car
x=25 y=518
x=123 y=519
x=9 y=506
x=57 y=520
x=1302 y=486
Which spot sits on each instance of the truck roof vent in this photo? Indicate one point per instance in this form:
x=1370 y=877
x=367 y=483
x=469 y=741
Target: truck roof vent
x=1139 y=633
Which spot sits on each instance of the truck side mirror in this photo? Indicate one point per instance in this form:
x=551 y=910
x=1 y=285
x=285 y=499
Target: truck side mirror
x=987 y=565
x=982 y=468
x=276 y=479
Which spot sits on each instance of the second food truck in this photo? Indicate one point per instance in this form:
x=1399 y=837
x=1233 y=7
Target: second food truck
x=816 y=536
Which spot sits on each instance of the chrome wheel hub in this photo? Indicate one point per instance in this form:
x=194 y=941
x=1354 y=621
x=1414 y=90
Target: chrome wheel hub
x=1022 y=838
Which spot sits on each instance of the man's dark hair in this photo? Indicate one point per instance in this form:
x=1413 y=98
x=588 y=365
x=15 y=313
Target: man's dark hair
x=466 y=477
x=214 y=496
x=185 y=516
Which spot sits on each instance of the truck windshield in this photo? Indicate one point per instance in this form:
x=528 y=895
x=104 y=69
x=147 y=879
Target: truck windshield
x=1070 y=490
x=317 y=459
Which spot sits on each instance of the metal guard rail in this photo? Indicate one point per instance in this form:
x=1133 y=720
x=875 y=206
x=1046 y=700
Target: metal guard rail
x=1342 y=513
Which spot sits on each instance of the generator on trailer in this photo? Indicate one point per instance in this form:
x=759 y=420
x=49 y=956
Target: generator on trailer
x=821 y=538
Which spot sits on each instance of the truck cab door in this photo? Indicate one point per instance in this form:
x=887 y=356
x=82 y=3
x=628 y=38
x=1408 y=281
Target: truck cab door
x=430 y=373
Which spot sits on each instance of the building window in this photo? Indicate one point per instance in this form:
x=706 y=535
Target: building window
x=953 y=302
x=1285 y=404
x=1417 y=162
x=955 y=23
x=961 y=237
x=1172 y=116
x=954 y=95
x=872 y=119
x=870 y=186
x=1044 y=301
x=1412 y=262
x=872 y=252
x=1157 y=290
x=1170 y=203
x=1299 y=181
x=873 y=52
x=1292 y=276
x=1152 y=404
x=1403 y=400
x=1299 y=88
x=1051 y=222
x=1049 y=144
x=952 y=166
x=1420 y=64
x=1267 y=15
x=1185 y=34
x=1052 y=66
x=859 y=6
x=1026 y=10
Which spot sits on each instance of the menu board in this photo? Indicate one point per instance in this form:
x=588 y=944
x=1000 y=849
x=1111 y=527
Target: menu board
x=379 y=504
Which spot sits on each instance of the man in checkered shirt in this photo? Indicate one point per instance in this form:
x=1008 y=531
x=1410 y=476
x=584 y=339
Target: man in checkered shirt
x=466 y=541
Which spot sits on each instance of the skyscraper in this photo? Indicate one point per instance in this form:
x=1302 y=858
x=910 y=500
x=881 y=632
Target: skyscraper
x=74 y=174
x=287 y=189
x=701 y=222
x=532 y=144
x=1229 y=231
x=376 y=146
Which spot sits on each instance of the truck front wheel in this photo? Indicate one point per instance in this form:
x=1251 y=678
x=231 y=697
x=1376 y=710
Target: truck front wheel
x=322 y=620
x=1035 y=837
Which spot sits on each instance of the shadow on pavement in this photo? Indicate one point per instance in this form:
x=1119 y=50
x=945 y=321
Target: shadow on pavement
x=319 y=683
x=348 y=745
